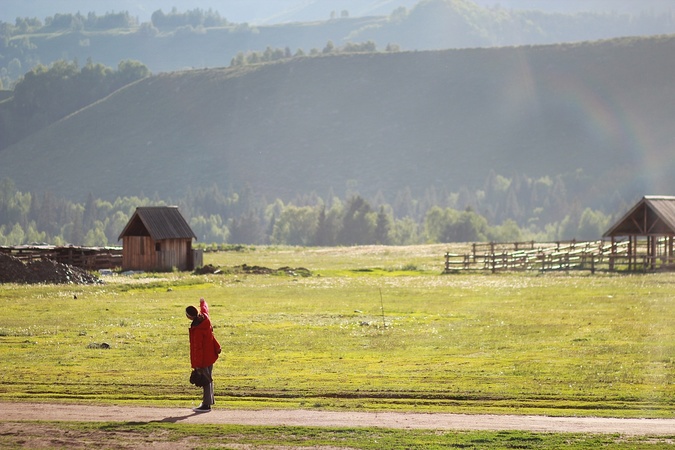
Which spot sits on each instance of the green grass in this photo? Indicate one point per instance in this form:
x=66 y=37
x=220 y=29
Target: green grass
x=554 y=344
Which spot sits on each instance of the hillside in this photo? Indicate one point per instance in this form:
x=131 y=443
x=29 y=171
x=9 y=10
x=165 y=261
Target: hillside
x=189 y=38
x=378 y=123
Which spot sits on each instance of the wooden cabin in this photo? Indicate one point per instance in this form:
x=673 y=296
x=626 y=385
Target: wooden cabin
x=158 y=239
x=643 y=238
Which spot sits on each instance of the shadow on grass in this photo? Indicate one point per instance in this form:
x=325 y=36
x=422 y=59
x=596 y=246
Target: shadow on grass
x=176 y=418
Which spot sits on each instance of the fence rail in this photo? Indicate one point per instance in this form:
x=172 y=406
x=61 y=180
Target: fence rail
x=554 y=256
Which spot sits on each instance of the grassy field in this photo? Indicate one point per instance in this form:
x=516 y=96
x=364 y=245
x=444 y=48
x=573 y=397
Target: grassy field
x=371 y=328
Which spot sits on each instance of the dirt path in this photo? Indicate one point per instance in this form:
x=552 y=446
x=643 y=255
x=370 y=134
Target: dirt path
x=13 y=412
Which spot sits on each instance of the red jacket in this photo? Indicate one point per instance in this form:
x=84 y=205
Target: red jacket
x=204 y=347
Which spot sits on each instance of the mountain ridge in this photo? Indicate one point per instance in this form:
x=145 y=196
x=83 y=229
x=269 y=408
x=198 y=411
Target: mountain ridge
x=199 y=38
x=377 y=123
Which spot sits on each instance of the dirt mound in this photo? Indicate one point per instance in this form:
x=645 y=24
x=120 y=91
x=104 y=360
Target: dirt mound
x=259 y=270
x=207 y=269
x=13 y=270
x=254 y=270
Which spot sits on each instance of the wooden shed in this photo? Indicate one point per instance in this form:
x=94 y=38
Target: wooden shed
x=157 y=238
x=643 y=237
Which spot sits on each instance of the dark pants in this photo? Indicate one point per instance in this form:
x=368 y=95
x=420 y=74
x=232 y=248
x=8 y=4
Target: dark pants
x=209 y=398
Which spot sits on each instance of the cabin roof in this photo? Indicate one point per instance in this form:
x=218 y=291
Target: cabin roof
x=158 y=222
x=652 y=215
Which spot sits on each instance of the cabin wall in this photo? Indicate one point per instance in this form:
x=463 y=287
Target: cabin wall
x=138 y=253
x=175 y=253
x=144 y=253
x=197 y=258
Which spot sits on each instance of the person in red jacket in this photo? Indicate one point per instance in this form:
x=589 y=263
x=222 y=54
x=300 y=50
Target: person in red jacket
x=204 y=349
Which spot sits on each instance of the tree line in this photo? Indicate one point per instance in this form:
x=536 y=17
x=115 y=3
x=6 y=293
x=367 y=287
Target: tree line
x=111 y=21
x=219 y=217
x=47 y=94
x=276 y=54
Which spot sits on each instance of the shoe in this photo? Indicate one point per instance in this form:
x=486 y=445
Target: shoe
x=202 y=409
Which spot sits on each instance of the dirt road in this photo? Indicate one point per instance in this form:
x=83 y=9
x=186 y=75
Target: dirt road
x=87 y=413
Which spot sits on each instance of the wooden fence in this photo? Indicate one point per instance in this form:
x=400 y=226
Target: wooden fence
x=88 y=258
x=553 y=256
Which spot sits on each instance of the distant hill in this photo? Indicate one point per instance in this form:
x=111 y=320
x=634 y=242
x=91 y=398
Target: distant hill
x=377 y=123
x=186 y=42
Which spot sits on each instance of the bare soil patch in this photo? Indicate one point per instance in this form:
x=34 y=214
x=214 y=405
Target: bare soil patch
x=27 y=425
x=18 y=412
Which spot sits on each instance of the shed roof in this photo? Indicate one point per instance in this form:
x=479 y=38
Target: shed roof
x=158 y=222
x=653 y=215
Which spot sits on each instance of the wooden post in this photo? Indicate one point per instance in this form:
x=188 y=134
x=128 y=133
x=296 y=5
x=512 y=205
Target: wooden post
x=612 y=252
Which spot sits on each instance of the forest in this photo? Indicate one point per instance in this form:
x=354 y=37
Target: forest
x=219 y=218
